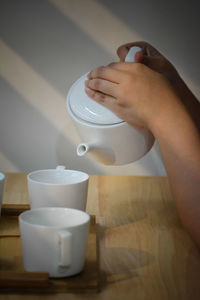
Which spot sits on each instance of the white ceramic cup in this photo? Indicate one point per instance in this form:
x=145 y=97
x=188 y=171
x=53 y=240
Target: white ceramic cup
x=54 y=240
x=2 y=179
x=58 y=187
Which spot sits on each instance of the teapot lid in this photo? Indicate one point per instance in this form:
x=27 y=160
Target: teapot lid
x=87 y=109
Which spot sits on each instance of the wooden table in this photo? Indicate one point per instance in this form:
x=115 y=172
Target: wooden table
x=145 y=253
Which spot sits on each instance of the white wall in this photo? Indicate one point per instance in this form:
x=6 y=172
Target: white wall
x=47 y=45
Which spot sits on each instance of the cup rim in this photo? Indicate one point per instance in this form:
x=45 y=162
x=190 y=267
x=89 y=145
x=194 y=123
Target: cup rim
x=53 y=226
x=86 y=177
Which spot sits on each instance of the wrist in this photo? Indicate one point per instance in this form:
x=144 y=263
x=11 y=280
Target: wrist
x=170 y=114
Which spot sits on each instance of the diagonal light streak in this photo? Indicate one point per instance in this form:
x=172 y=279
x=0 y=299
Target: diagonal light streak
x=33 y=87
x=106 y=29
x=36 y=91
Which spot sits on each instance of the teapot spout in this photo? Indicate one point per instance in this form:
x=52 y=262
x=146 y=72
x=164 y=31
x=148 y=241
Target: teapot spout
x=103 y=155
x=82 y=149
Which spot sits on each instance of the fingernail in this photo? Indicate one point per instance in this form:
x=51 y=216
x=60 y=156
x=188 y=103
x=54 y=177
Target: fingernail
x=88 y=91
x=138 y=56
x=88 y=75
x=86 y=82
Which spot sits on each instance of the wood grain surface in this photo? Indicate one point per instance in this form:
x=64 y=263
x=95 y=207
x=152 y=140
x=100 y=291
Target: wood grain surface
x=145 y=252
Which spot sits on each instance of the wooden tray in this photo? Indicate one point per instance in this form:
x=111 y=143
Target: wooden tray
x=13 y=277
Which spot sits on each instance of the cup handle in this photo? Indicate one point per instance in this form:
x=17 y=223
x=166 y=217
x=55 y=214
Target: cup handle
x=65 y=248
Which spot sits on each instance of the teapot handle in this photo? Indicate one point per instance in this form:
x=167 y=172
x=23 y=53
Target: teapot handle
x=130 y=57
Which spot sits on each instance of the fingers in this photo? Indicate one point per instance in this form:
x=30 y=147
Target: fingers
x=100 y=85
x=138 y=57
x=151 y=51
x=149 y=56
x=123 y=49
x=104 y=80
x=156 y=63
x=101 y=98
x=120 y=66
x=147 y=49
x=106 y=73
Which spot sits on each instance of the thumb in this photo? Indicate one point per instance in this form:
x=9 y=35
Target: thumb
x=153 y=62
x=138 y=57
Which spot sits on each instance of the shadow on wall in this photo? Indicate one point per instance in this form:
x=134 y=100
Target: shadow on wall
x=48 y=41
x=21 y=140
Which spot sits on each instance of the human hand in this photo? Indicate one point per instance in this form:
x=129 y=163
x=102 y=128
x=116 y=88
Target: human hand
x=152 y=58
x=132 y=91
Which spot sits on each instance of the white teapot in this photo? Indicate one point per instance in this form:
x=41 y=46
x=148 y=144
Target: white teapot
x=108 y=138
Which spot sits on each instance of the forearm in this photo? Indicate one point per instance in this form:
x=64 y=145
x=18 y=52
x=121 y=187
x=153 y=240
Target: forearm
x=188 y=98
x=145 y=98
x=179 y=142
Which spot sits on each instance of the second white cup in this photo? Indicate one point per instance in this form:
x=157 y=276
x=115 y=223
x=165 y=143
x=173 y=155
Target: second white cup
x=58 y=188
x=54 y=240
